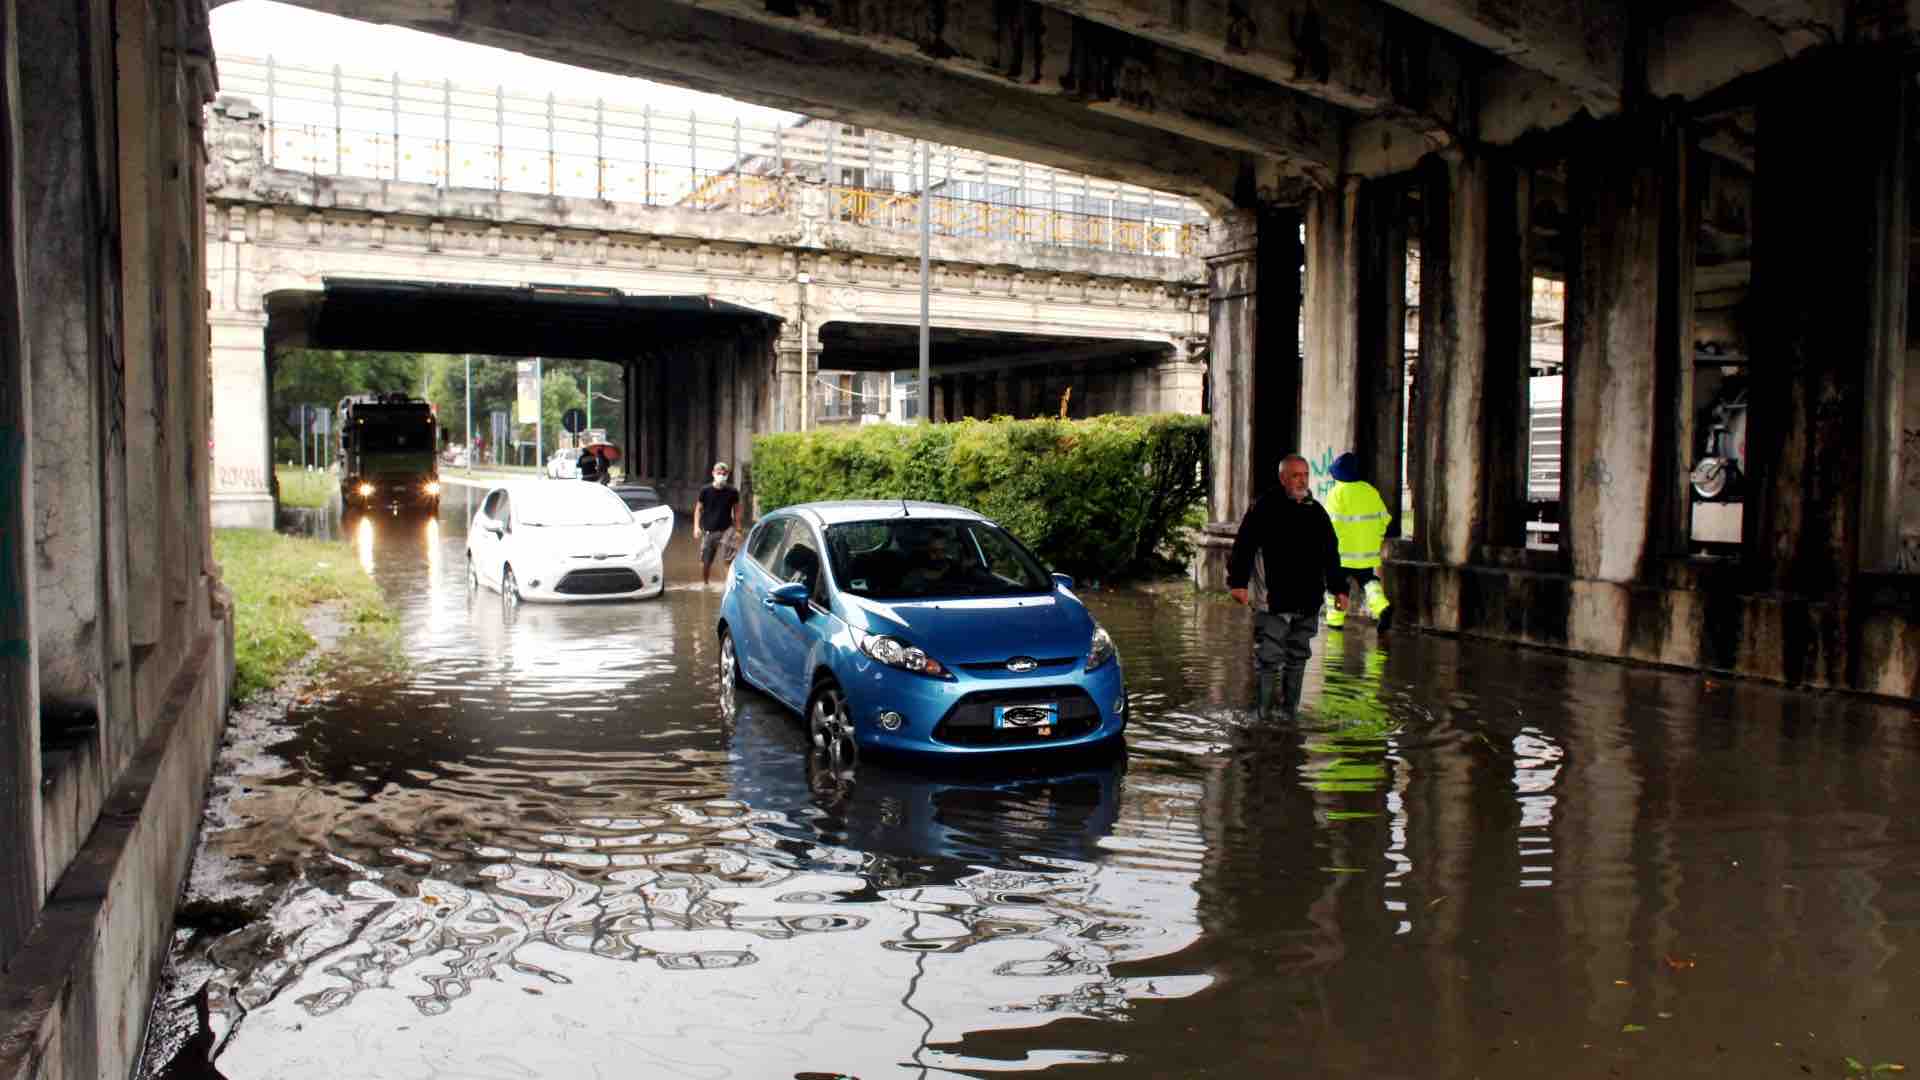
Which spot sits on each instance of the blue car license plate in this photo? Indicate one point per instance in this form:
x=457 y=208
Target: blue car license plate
x=1040 y=718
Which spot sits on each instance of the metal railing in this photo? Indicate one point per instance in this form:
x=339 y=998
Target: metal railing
x=335 y=122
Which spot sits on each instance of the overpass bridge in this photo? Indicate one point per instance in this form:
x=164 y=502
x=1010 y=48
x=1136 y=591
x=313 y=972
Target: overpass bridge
x=1734 y=174
x=721 y=264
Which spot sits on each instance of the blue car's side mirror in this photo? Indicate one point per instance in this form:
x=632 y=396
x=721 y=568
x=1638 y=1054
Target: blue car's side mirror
x=793 y=594
x=1065 y=581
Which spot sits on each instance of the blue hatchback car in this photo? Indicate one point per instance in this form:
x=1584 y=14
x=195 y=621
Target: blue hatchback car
x=915 y=627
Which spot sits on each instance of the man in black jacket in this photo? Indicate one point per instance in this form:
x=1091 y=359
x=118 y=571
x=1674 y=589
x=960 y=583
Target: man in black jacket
x=1294 y=538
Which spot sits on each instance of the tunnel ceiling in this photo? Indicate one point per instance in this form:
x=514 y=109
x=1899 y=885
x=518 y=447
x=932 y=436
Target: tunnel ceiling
x=879 y=347
x=1223 y=102
x=527 y=320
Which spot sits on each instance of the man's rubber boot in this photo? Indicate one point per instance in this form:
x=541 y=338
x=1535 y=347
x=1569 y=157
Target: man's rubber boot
x=1291 y=682
x=1266 y=696
x=1335 y=617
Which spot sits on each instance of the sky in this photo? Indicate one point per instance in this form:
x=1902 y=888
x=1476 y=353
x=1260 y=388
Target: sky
x=257 y=28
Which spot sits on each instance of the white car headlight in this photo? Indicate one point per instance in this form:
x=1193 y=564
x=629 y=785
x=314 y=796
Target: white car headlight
x=433 y=487
x=1101 y=650
x=896 y=653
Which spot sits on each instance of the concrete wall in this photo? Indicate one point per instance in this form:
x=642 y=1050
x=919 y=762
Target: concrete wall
x=115 y=643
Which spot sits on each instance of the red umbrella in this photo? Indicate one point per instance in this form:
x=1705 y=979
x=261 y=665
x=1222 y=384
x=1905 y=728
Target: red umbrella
x=605 y=451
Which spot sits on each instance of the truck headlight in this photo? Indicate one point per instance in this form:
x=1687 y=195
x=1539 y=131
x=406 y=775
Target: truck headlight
x=364 y=489
x=433 y=487
x=1101 y=649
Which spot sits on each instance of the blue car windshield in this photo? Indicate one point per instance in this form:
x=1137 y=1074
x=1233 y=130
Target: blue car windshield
x=924 y=558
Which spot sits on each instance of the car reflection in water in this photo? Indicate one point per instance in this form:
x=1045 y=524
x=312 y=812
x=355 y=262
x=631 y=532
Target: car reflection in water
x=782 y=921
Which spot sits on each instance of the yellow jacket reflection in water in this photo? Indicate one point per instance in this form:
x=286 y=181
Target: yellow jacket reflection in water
x=1360 y=521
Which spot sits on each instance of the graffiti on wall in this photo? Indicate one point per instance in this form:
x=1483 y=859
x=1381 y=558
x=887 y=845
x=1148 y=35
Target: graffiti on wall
x=1321 y=465
x=240 y=478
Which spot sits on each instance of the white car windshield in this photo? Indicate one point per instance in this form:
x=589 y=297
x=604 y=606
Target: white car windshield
x=569 y=505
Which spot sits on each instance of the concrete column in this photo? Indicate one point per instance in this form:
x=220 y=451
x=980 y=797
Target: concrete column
x=242 y=444
x=1629 y=304
x=67 y=362
x=1452 y=425
x=1829 y=296
x=1254 y=363
x=1182 y=379
x=1329 y=375
x=140 y=242
x=1354 y=360
x=20 y=869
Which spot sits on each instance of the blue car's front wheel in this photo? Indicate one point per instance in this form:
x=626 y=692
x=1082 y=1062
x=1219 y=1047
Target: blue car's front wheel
x=830 y=728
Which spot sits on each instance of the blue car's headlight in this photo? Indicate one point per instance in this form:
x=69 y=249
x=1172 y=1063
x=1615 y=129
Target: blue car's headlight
x=893 y=652
x=1102 y=649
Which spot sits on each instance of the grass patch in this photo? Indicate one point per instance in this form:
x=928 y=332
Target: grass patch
x=298 y=487
x=274 y=580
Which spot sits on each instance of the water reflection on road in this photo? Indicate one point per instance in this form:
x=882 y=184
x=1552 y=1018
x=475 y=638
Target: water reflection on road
x=544 y=852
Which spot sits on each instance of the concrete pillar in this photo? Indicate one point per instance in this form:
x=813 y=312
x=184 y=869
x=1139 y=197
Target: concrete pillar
x=1182 y=379
x=1329 y=373
x=1354 y=360
x=140 y=243
x=68 y=361
x=1829 y=294
x=242 y=443
x=1628 y=341
x=1453 y=424
x=1254 y=363
x=20 y=869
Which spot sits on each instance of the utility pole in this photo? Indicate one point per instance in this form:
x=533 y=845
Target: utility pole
x=589 y=402
x=469 y=392
x=539 y=415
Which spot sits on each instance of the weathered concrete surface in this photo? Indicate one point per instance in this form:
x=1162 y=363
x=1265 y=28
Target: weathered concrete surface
x=1628 y=344
x=115 y=649
x=1829 y=301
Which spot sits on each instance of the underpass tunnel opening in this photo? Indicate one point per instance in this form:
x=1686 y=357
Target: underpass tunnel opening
x=870 y=372
x=506 y=374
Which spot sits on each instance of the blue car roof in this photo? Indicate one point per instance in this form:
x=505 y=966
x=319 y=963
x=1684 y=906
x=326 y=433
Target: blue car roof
x=843 y=511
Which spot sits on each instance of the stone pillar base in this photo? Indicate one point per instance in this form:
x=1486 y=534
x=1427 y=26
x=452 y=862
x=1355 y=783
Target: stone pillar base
x=242 y=510
x=1697 y=616
x=1209 y=568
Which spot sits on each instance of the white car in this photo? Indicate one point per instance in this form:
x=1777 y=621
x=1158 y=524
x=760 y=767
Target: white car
x=564 y=465
x=544 y=541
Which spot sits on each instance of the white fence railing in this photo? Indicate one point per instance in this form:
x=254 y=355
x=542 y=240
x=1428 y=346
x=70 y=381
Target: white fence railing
x=336 y=122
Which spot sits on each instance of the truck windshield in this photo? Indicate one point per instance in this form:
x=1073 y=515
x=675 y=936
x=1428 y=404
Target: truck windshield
x=383 y=433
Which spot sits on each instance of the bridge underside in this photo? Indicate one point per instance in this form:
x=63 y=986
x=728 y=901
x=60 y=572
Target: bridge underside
x=1383 y=131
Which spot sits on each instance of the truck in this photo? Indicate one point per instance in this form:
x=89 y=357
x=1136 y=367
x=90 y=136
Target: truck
x=389 y=453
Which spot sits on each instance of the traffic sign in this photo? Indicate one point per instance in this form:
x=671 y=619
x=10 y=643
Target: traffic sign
x=574 y=420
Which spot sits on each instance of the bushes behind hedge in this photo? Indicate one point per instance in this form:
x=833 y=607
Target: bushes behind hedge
x=1097 y=498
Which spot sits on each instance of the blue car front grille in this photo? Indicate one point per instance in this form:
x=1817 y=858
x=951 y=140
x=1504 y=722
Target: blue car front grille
x=1039 y=663
x=970 y=721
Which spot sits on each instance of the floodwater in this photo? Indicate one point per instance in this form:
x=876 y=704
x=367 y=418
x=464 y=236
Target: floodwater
x=543 y=852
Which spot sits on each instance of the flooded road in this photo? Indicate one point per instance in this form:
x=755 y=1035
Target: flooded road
x=543 y=852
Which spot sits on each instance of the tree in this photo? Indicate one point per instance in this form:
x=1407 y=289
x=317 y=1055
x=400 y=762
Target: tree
x=321 y=377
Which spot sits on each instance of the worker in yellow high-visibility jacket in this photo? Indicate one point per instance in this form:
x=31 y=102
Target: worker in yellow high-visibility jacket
x=1360 y=521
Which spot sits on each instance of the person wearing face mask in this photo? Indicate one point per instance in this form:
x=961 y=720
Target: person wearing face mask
x=1294 y=538
x=716 y=516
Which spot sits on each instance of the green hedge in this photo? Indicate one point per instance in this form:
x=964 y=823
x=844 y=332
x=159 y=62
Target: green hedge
x=1096 y=498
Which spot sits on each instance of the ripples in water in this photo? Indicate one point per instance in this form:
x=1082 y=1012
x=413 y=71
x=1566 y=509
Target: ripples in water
x=544 y=852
